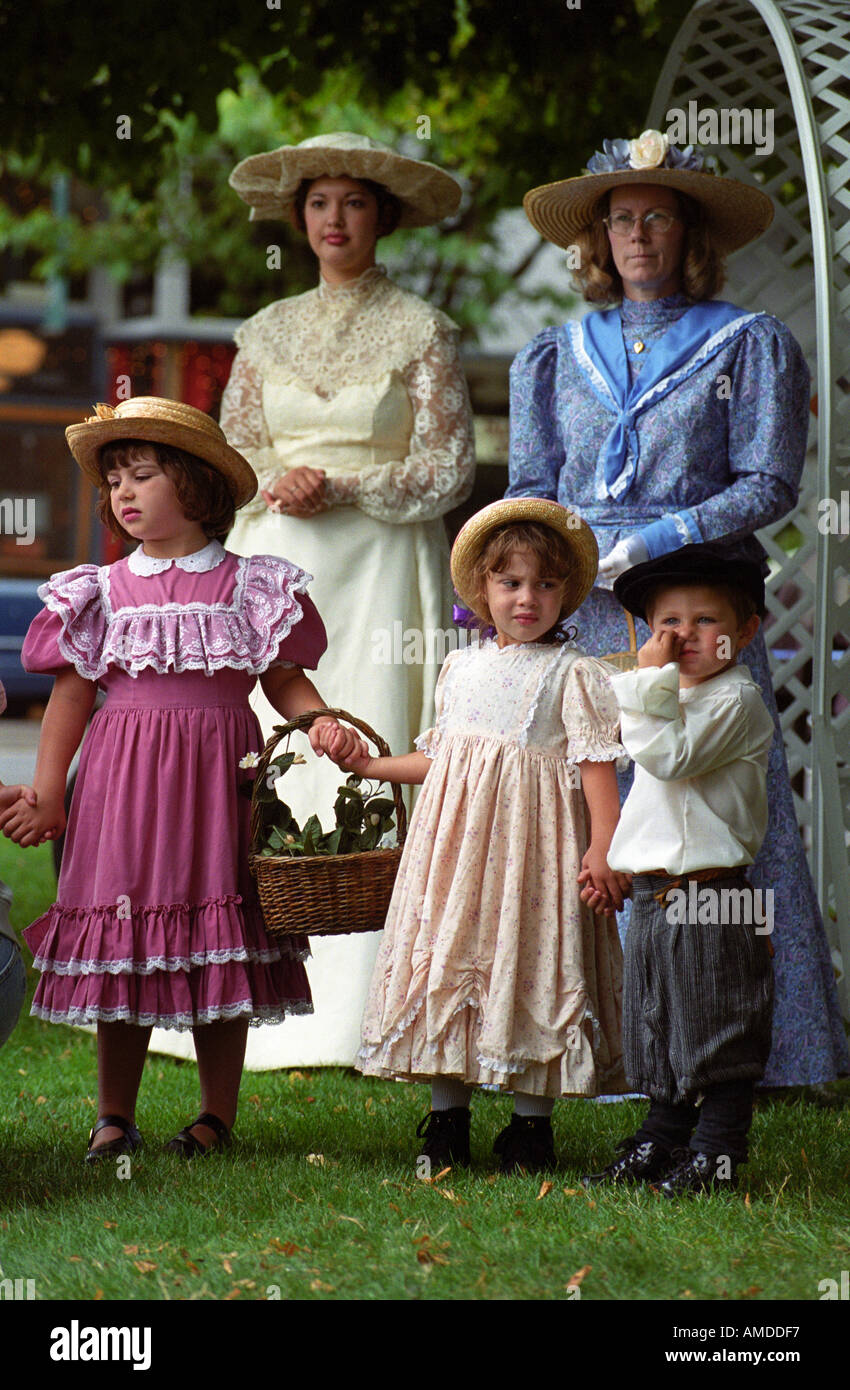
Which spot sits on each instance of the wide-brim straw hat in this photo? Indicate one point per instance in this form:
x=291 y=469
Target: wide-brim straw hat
x=161 y=421
x=735 y=212
x=706 y=564
x=472 y=538
x=269 y=181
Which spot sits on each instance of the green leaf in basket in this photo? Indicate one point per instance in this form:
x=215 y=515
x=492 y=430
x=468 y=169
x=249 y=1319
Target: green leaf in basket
x=330 y=843
x=379 y=805
x=280 y=765
x=353 y=780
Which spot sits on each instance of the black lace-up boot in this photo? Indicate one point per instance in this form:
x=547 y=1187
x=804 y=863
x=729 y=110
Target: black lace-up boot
x=527 y=1144
x=638 y=1162
x=446 y=1135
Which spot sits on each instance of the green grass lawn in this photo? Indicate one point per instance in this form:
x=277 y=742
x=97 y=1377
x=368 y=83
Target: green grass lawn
x=318 y=1199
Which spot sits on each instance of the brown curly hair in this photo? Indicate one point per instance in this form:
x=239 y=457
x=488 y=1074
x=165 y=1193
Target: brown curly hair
x=598 y=280
x=203 y=492
x=389 y=206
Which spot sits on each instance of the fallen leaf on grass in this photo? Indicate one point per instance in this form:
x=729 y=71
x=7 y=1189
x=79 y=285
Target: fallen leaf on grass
x=227 y=1266
x=430 y=1182
x=318 y=1160
x=255 y=1100
x=339 y=1216
x=369 y=1104
x=751 y=1291
x=545 y=1189
x=234 y=1293
x=747 y=1203
x=75 y=1259
x=575 y=1280
x=431 y=1254
x=111 y=1225
x=286 y=1247
x=573 y=1191
x=449 y=1195
x=98 y=1295
x=144 y=1266
x=318 y=1287
x=41 y=1100
x=131 y=1249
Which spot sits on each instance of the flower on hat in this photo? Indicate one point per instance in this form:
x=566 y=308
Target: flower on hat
x=648 y=150
x=651 y=150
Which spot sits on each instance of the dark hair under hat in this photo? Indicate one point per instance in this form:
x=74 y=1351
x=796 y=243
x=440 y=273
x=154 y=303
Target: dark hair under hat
x=692 y=564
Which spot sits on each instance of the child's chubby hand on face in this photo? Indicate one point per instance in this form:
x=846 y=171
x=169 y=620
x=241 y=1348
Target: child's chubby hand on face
x=26 y=821
x=603 y=889
x=342 y=745
x=661 y=647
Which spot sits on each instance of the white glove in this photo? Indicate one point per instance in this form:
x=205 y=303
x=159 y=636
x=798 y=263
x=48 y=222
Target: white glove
x=626 y=553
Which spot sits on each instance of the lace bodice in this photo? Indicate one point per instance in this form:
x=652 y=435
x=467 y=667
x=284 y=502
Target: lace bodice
x=363 y=381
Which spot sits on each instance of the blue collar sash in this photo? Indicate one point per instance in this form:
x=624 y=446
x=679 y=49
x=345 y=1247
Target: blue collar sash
x=601 y=354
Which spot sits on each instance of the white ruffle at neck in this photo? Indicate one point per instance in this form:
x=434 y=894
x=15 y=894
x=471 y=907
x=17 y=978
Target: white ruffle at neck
x=207 y=558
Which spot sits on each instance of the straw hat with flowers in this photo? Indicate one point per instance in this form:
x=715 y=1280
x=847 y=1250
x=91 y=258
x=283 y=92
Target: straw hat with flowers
x=161 y=421
x=269 y=181
x=474 y=535
x=735 y=212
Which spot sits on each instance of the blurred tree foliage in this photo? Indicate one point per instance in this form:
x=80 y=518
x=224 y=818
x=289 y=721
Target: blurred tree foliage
x=506 y=98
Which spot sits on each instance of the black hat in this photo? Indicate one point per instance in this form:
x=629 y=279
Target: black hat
x=691 y=564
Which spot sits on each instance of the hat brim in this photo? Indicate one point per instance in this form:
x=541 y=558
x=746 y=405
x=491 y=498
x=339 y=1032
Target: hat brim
x=473 y=536
x=735 y=212
x=86 y=439
x=269 y=181
x=704 y=564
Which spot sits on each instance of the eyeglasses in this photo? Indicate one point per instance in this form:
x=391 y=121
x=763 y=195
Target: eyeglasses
x=621 y=223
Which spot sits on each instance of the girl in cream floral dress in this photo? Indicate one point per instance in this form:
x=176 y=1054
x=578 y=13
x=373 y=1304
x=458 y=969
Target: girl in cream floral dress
x=493 y=969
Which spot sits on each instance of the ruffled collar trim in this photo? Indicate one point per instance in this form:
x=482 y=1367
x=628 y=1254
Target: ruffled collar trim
x=208 y=558
x=352 y=289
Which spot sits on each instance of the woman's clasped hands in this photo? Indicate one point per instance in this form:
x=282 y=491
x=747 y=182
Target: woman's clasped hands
x=300 y=493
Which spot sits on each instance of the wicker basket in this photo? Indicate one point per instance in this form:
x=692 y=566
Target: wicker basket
x=626 y=661
x=324 y=894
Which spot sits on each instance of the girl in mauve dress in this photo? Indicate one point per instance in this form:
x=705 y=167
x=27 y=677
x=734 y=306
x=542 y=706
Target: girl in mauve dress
x=493 y=970
x=157 y=920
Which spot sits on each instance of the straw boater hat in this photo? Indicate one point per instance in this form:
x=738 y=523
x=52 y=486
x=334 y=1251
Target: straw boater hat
x=161 y=421
x=735 y=212
x=269 y=181
x=474 y=535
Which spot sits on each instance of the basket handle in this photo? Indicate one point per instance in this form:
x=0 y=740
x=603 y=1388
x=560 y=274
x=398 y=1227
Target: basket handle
x=302 y=722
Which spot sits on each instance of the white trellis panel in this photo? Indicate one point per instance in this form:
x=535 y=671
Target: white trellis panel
x=792 y=58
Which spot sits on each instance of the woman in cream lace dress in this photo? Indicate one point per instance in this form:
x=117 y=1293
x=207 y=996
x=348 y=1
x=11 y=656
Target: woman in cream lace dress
x=350 y=403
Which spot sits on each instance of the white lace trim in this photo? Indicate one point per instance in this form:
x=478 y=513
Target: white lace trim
x=266 y=1013
x=545 y=676
x=208 y=558
x=242 y=635
x=151 y=964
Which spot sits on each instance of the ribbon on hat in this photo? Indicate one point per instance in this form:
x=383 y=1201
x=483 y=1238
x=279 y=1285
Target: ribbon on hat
x=601 y=355
x=102 y=411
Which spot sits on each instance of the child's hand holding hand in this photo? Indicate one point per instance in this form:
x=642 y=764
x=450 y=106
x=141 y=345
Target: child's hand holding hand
x=604 y=890
x=341 y=744
x=10 y=794
x=27 y=824
x=662 y=647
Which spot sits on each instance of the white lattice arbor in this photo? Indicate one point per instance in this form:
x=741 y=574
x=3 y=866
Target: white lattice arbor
x=792 y=57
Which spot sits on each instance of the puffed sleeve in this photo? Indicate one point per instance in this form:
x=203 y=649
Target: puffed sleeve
x=282 y=624
x=591 y=714
x=438 y=472
x=536 y=449
x=768 y=428
x=243 y=421
x=71 y=629
x=431 y=740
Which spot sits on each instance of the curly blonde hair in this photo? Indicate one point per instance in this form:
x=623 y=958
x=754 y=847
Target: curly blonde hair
x=598 y=281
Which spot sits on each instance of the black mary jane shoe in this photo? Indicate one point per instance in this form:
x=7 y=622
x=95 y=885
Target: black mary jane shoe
x=698 y=1172
x=189 y=1146
x=130 y=1140
x=644 y=1162
x=526 y=1145
x=446 y=1135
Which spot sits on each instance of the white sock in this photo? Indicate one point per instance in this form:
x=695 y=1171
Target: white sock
x=525 y=1104
x=447 y=1093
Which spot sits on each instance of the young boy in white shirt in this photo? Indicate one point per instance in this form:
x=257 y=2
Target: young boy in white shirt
x=698 y=981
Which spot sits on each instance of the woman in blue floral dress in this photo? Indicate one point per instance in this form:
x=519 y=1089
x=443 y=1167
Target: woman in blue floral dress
x=674 y=418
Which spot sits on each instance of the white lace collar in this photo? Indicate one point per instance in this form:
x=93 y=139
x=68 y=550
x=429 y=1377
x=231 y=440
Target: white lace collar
x=206 y=559
x=341 y=295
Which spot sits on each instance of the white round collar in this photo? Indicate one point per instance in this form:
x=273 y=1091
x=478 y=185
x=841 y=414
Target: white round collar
x=208 y=558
